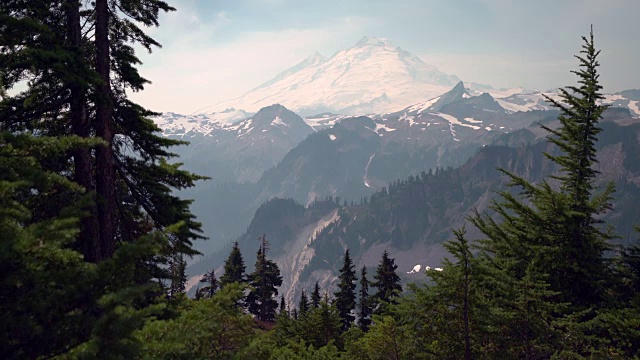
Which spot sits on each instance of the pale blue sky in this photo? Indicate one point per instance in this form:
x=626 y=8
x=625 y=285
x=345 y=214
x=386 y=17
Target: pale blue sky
x=214 y=50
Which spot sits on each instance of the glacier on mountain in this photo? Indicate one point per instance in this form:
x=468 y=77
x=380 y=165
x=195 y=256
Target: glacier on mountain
x=372 y=76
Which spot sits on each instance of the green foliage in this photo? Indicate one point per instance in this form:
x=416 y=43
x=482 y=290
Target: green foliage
x=580 y=265
x=300 y=351
x=53 y=302
x=385 y=340
x=234 y=269
x=42 y=279
x=345 y=296
x=317 y=326
x=386 y=281
x=81 y=264
x=543 y=262
x=264 y=281
x=322 y=325
x=212 y=328
x=315 y=296
x=123 y=309
x=364 y=302
x=303 y=305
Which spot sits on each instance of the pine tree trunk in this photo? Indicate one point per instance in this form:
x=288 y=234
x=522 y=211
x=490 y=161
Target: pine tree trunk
x=105 y=176
x=80 y=126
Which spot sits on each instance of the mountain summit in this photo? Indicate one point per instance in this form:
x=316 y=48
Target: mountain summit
x=372 y=76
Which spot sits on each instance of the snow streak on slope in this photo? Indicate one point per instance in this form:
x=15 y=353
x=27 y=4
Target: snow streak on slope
x=372 y=76
x=366 y=171
x=454 y=121
x=419 y=108
x=633 y=106
x=323 y=121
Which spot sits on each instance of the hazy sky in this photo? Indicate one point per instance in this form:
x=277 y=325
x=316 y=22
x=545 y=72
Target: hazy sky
x=215 y=50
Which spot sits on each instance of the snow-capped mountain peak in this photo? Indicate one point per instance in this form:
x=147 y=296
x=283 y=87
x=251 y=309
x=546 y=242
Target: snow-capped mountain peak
x=372 y=41
x=372 y=76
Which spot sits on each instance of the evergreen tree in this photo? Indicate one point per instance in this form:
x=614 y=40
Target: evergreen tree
x=68 y=52
x=323 y=323
x=580 y=266
x=387 y=282
x=303 y=305
x=264 y=282
x=548 y=245
x=345 y=296
x=34 y=256
x=78 y=61
x=211 y=284
x=364 y=302
x=315 y=296
x=234 y=269
x=283 y=306
x=54 y=302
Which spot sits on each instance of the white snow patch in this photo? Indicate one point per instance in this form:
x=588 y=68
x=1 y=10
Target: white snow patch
x=473 y=121
x=382 y=126
x=633 y=106
x=453 y=120
x=409 y=118
x=423 y=106
x=488 y=128
x=415 y=269
x=278 y=121
x=611 y=98
x=332 y=137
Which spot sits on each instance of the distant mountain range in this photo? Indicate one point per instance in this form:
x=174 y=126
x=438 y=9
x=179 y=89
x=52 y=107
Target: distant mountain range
x=411 y=217
x=373 y=76
x=372 y=114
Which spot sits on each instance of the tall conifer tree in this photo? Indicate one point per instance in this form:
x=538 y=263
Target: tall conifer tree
x=78 y=61
x=303 y=305
x=315 y=296
x=345 y=296
x=548 y=245
x=234 y=269
x=364 y=301
x=387 y=282
x=264 y=280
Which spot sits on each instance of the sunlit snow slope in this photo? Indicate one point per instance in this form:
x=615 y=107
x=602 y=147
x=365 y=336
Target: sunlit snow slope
x=372 y=76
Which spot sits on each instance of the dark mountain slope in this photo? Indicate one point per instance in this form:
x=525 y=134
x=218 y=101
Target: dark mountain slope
x=412 y=217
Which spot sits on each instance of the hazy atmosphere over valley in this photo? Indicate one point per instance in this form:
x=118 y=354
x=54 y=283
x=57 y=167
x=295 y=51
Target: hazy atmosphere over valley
x=419 y=179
